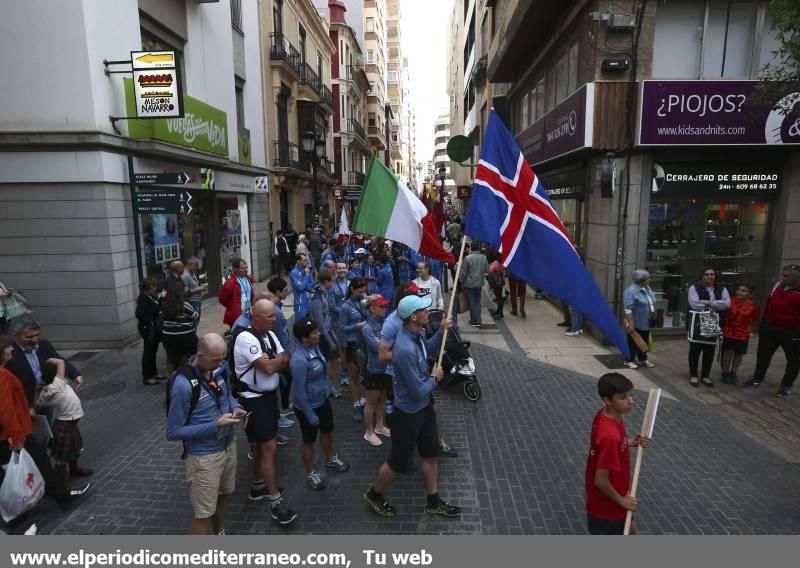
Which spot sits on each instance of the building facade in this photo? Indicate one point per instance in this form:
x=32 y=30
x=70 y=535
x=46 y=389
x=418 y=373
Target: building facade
x=352 y=149
x=637 y=118
x=376 y=50
x=66 y=198
x=298 y=105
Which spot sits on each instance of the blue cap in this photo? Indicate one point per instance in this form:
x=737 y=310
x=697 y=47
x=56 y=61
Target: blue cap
x=411 y=304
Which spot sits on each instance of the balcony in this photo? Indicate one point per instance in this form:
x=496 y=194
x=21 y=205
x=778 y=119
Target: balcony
x=354 y=77
x=291 y=156
x=284 y=53
x=327 y=97
x=354 y=178
x=288 y=155
x=377 y=137
x=354 y=127
x=310 y=84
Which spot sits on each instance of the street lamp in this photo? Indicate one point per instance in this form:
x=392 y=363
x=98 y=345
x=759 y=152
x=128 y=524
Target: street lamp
x=315 y=148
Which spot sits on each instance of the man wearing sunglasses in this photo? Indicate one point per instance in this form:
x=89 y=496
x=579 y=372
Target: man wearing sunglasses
x=780 y=328
x=205 y=426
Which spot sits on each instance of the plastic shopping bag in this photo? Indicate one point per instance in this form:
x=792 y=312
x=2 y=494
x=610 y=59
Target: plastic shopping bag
x=23 y=486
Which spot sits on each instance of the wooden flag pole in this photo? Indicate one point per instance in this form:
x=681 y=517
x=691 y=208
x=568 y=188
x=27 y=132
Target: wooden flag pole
x=452 y=297
x=646 y=431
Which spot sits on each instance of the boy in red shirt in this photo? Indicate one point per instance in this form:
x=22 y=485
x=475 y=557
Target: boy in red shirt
x=737 y=331
x=608 y=468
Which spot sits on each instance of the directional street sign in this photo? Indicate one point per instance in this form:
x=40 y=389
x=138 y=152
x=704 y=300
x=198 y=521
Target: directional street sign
x=164 y=202
x=177 y=178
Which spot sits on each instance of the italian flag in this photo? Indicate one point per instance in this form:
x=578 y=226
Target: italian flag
x=389 y=209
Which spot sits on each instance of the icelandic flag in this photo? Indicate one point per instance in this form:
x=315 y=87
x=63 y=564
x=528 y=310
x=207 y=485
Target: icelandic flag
x=510 y=209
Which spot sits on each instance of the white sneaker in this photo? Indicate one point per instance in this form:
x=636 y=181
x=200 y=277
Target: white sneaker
x=574 y=333
x=373 y=439
x=631 y=364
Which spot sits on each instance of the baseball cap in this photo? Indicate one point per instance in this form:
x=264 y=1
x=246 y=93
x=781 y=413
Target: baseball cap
x=361 y=251
x=376 y=300
x=411 y=304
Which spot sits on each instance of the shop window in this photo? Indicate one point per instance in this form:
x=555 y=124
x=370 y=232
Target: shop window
x=686 y=234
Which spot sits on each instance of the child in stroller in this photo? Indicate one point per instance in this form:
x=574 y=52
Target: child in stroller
x=457 y=362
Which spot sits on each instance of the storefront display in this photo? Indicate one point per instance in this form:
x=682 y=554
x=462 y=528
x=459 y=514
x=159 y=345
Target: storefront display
x=695 y=221
x=566 y=190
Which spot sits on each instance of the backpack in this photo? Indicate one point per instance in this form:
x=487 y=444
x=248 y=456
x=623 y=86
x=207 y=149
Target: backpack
x=189 y=372
x=235 y=380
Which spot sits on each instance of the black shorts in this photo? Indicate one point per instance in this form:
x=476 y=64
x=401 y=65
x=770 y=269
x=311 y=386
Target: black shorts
x=604 y=526
x=262 y=425
x=351 y=352
x=377 y=381
x=325 y=415
x=410 y=430
x=738 y=346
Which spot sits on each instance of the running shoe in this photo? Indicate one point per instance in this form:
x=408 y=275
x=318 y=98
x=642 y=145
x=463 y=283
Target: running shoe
x=336 y=465
x=443 y=509
x=281 y=440
x=285 y=422
x=752 y=384
x=784 y=393
x=315 y=482
x=262 y=493
x=282 y=513
x=446 y=450
x=380 y=505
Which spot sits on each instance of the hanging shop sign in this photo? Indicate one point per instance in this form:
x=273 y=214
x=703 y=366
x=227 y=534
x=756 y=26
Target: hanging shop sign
x=348 y=194
x=709 y=179
x=201 y=127
x=156 y=84
x=696 y=113
x=464 y=191
x=565 y=129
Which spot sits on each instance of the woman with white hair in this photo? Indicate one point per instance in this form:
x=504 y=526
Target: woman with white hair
x=640 y=310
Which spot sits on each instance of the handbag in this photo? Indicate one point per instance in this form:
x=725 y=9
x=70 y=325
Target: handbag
x=16 y=304
x=23 y=486
x=463 y=303
x=495 y=279
x=704 y=327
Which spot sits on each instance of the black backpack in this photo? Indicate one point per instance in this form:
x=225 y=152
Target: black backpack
x=189 y=372
x=235 y=380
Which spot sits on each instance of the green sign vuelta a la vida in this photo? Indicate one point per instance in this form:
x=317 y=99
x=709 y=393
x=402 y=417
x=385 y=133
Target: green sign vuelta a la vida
x=203 y=127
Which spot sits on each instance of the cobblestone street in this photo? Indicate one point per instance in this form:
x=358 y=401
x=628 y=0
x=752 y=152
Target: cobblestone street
x=522 y=451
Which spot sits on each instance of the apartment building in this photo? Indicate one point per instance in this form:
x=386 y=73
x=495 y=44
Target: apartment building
x=376 y=50
x=352 y=149
x=69 y=213
x=397 y=93
x=298 y=105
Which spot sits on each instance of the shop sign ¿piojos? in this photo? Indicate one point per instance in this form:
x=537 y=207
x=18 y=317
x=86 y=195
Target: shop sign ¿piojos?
x=695 y=113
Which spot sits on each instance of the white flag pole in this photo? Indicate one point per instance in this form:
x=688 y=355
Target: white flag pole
x=647 y=431
x=452 y=297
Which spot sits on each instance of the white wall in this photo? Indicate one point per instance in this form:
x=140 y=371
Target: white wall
x=253 y=88
x=51 y=89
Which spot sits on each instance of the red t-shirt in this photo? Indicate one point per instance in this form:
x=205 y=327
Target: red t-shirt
x=739 y=319
x=608 y=450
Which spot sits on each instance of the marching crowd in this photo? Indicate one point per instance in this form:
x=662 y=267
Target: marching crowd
x=360 y=316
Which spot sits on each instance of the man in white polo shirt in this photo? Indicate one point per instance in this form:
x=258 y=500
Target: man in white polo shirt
x=258 y=359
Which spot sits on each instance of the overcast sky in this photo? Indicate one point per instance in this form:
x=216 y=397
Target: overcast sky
x=424 y=33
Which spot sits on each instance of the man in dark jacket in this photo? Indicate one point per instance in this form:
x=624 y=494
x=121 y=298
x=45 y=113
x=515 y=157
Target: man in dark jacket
x=31 y=354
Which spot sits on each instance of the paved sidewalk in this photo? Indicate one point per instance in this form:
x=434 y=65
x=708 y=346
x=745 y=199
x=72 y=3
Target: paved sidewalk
x=772 y=422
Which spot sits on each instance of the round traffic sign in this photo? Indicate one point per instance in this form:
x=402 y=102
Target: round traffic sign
x=460 y=148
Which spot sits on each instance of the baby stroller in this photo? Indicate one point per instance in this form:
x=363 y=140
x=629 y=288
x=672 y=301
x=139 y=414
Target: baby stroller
x=457 y=362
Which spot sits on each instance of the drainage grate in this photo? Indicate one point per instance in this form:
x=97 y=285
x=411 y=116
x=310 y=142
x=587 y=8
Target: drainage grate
x=101 y=390
x=82 y=356
x=612 y=361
